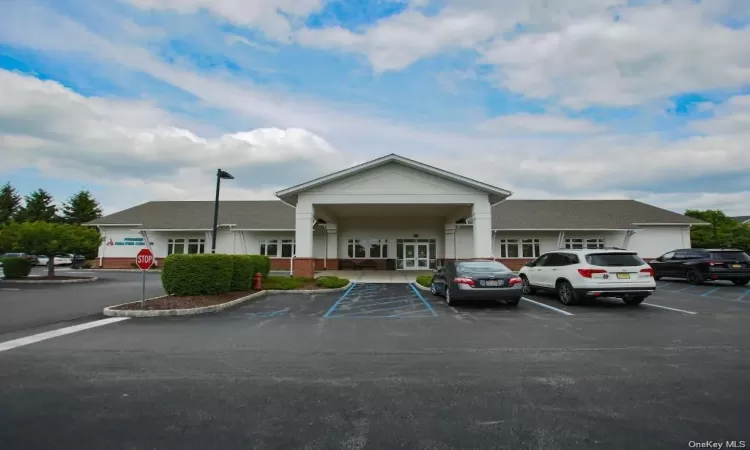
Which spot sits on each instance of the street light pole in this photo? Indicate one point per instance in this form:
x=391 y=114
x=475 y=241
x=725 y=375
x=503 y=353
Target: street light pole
x=220 y=174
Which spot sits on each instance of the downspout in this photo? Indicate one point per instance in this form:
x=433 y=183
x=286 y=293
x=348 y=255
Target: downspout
x=144 y=233
x=104 y=248
x=492 y=250
x=325 y=256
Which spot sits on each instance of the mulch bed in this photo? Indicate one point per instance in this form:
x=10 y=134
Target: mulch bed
x=177 y=302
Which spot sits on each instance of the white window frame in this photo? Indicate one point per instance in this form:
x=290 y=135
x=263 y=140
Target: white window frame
x=186 y=242
x=279 y=243
x=506 y=244
x=535 y=244
x=287 y=243
x=584 y=243
x=595 y=243
x=381 y=243
x=352 y=247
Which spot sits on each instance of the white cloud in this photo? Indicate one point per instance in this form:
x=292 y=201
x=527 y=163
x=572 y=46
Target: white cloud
x=538 y=123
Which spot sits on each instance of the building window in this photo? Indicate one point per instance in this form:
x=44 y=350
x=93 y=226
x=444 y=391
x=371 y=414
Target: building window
x=355 y=249
x=287 y=248
x=379 y=248
x=269 y=247
x=595 y=243
x=196 y=246
x=530 y=248
x=573 y=244
x=181 y=246
x=509 y=248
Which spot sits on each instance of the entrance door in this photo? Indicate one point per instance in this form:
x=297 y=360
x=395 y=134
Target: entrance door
x=416 y=256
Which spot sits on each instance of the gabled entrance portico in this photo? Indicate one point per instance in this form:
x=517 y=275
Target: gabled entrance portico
x=391 y=210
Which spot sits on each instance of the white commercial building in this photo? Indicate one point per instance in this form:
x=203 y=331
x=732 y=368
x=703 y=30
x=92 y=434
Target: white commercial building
x=391 y=213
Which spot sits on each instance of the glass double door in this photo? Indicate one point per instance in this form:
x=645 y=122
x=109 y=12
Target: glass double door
x=416 y=256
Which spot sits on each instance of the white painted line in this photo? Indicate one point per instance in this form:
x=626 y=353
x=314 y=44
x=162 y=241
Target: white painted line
x=671 y=309
x=10 y=289
x=20 y=342
x=547 y=306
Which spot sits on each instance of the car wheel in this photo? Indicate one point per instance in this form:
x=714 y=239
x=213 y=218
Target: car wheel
x=566 y=294
x=526 y=287
x=693 y=277
x=657 y=277
x=433 y=289
x=741 y=282
x=634 y=300
x=448 y=299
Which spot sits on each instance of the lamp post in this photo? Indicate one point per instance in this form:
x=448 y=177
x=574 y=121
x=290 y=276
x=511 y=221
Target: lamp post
x=220 y=175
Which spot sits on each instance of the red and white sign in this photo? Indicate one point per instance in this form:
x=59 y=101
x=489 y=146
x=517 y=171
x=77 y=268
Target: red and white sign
x=145 y=259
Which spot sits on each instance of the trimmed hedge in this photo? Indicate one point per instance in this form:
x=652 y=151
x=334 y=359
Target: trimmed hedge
x=261 y=264
x=331 y=282
x=199 y=274
x=243 y=270
x=424 y=280
x=16 y=267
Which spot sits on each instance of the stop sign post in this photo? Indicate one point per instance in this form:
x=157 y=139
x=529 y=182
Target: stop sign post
x=144 y=260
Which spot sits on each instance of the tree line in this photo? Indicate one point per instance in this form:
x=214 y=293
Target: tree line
x=39 y=206
x=721 y=232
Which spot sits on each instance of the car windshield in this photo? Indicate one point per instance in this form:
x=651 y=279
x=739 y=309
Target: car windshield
x=614 y=259
x=730 y=256
x=482 y=267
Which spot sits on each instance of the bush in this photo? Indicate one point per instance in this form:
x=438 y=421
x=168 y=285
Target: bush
x=424 y=280
x=243 y=269
x=331 y=282
x=16 y=267
x=286 y=283
x=199 y=274
x=261 y=264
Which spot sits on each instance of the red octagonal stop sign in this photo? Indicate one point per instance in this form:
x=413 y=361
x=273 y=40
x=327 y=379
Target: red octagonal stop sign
x=145 y=259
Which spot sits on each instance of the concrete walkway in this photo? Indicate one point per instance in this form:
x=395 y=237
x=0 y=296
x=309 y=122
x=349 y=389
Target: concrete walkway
x=376 y=276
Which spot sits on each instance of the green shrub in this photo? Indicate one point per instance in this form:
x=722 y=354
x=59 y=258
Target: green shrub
x=331 y=282
x=424 y=280
x=200 y=274
x=285 y=283
x=243 y=270
x=261 y=264
x=16 y=267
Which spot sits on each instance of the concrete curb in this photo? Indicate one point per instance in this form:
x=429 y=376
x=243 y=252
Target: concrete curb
x=79 y=280
x=111 y=312
x=122 y=270
x=419 y=286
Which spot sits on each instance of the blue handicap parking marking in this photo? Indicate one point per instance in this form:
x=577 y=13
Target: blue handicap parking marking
x=381 y=300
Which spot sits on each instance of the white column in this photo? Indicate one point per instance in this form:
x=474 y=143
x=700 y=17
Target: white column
x=303 y=231
x=449 y=246
x=332 y=251
x=482 y=224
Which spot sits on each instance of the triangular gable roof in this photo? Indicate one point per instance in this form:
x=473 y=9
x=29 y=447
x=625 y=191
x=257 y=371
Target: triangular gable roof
x=290 y=195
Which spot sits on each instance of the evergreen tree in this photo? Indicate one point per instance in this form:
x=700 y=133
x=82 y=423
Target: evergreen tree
x=10 y=203
x=39 y=207
x=81 y=208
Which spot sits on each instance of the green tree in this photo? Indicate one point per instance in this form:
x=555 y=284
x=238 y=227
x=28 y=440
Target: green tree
x=39 y=207
x=721 y=232
x=81 y=208
x=10 y=203
x=45 y=238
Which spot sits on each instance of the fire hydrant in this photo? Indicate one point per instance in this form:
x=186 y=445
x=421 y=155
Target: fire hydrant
x=257 y=279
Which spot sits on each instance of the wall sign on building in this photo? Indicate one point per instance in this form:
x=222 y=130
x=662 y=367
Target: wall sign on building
x=135 y=241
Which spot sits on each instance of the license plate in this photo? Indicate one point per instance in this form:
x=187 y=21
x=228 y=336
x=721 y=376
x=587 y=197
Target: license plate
x=623 y=276
x=737 y=266
x=492 y=283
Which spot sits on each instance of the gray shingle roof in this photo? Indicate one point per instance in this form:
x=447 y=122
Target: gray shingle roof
x=255 y=215
x=741 y=219
x=508 y=215
x=580 y=214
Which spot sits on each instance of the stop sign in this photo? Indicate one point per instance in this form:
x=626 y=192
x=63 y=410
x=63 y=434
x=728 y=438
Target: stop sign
x=145 y=259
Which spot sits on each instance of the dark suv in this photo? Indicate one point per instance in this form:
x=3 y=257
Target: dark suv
x=697 y=265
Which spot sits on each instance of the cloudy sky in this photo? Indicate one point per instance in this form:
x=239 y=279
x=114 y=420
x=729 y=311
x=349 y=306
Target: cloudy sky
x=143 y=99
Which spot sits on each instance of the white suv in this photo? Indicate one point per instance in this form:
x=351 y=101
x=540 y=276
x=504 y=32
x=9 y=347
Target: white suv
x=590 y=273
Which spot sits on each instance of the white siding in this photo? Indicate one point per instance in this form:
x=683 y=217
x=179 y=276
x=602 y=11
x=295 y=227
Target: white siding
x=389 y=228
x=464 y=242
x=654 y=241
x=115 y=235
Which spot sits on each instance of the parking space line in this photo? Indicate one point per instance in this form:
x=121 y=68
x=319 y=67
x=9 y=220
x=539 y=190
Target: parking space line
x=707 y=293
x=10 y=289
x=8 y=345
x=683 y=289
x=362 y=305
x=327 y=314
x=364 y=313
x=552 y=308
x=426 y=303
x=671 y=309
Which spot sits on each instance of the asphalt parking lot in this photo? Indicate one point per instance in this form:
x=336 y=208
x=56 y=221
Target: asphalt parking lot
x=306 y=371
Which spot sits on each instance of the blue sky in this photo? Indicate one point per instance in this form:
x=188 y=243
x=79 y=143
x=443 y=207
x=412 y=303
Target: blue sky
x=143 y=99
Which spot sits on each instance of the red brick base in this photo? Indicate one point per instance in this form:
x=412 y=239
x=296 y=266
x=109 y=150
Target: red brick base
x=304 y=267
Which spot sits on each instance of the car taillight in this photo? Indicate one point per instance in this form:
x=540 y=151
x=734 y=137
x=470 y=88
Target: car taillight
x=513 y=281
x=586 y=273
x=649 y=271
x=715 y=263
x=466 y=281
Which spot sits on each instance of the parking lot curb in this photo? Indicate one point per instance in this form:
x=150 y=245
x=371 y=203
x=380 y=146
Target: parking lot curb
x=110 y=311
x=78 y=280
x=419 y=286
x=123 y=270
